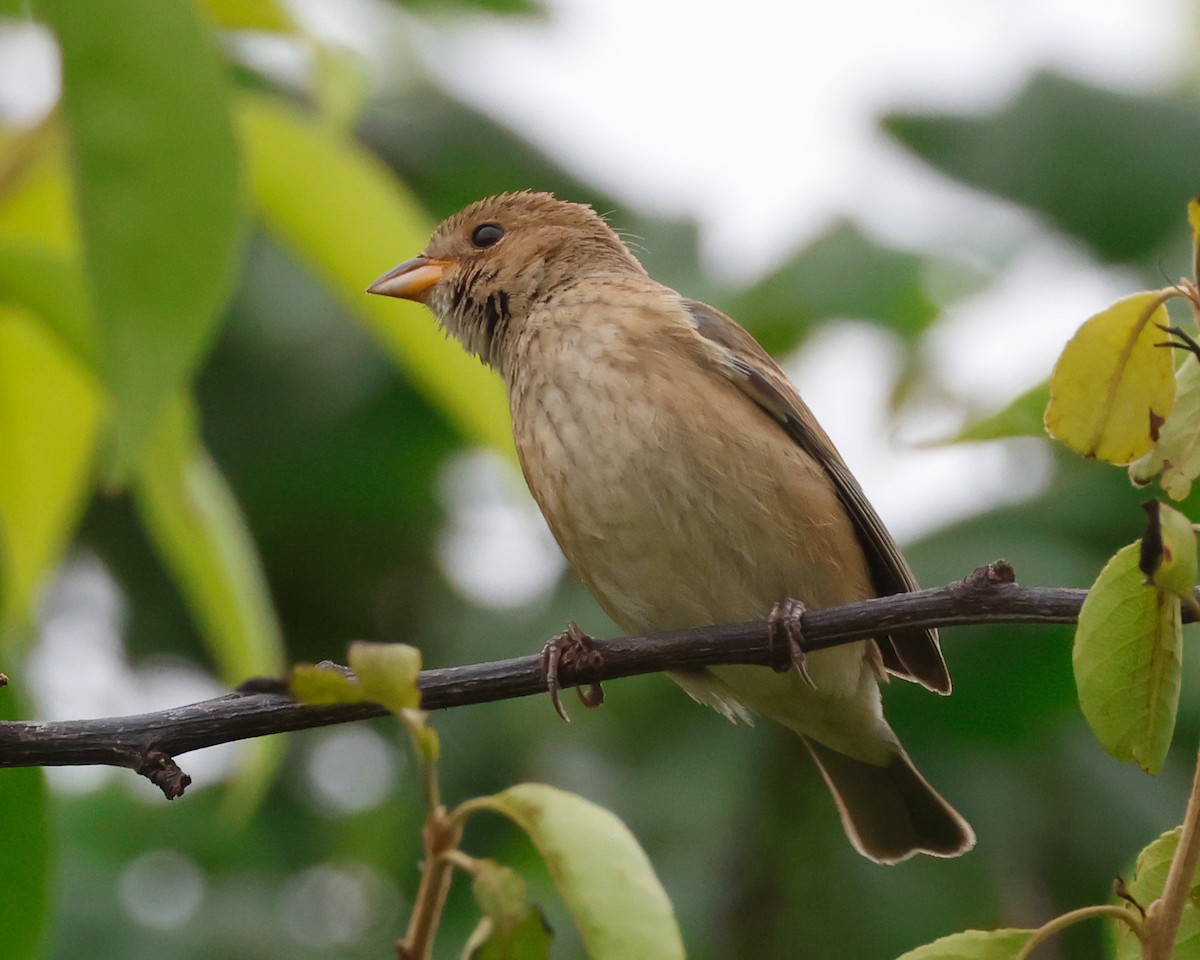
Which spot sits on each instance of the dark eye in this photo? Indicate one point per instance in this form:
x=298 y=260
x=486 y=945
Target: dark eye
x=486 y=234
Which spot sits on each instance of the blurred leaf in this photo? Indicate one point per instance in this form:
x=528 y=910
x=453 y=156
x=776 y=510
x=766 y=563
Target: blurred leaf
x=1021 y=418
x=51 y=287
x=527 y=938
x=198 y=530
x=1109 y=168
x=382 y=673
x=342 y=84
x=387 y=673
x=602 y=874
x=268 y=16
x=35 y=205
x=511 y=928
x=843 y=274
x=156 y=178
x=341 y=211
x=1112 y=387
x=1127 y=657
x=25 y=840
x=973 y=945
x=1176 y=455
x=49 y=420
x=194 y=520
x=1168 y=555
x=1146 y=886
x=318 y=684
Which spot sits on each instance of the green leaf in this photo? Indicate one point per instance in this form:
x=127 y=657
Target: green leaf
x=1110 y=168
x=157 y=187
x=1113 y=387
x=1127 y=658
x=973 y=945
x=49 y=422
x=604 y=877
x=1175 y=458
x=25 y=840
x=842 y=274
x=342 y=212
x=1021 y=418
x=195 y=523
x=1146 y=886
x=528 y=938
x=511 y=928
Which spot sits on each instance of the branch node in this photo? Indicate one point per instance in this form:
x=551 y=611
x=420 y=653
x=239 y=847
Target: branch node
x=162 y=771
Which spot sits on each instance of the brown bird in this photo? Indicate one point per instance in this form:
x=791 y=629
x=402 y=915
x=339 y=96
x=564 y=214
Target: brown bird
x=688 y=484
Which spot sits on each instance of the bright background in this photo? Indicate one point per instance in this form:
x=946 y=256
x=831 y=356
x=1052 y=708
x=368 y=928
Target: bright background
x=913 y=205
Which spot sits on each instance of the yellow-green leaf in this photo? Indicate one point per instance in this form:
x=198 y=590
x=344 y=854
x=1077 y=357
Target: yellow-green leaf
x=603 y=876
x=50 y=409
x=1176 y=455
x=973 y=945
x=387 y=673
x=1146 y=886
x=198 y=529
x=345 y=215
x=320 y=684
x=1112 y=387
x=37 y=203
x=268 y=16
x=157 y=188
x=1127 y=657
x=52 y=287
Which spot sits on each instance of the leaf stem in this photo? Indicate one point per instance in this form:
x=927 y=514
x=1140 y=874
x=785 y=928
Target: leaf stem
x=1164 y=914
x=441 y=836
x=1058 y=924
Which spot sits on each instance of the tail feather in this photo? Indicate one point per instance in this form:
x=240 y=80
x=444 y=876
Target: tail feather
x=891 y=812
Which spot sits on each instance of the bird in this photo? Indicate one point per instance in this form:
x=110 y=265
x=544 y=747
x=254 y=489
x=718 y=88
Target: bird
x=688 y=484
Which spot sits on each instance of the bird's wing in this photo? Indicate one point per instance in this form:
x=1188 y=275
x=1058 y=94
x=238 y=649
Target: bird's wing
x=913 y=654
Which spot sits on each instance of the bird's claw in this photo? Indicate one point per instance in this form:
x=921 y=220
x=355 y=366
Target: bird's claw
x=784 y=625
x=575 y=650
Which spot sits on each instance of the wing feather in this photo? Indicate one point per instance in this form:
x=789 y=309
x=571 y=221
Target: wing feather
x=913 y=654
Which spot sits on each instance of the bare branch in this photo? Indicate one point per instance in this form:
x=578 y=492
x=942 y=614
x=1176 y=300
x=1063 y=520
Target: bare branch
x=147 y=743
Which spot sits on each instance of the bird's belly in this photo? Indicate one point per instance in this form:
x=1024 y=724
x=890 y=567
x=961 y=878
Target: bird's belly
x=673 y=520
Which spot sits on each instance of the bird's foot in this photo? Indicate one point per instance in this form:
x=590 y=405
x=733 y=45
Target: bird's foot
x=783 y=625
x=576 y=651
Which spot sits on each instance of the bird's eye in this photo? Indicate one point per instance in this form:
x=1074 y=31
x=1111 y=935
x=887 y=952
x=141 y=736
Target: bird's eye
x=486 y=234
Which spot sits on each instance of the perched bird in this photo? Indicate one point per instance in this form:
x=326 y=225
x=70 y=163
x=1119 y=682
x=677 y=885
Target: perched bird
x=688 y=484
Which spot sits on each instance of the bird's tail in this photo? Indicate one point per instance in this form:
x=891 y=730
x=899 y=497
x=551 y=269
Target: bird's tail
x=891 y=812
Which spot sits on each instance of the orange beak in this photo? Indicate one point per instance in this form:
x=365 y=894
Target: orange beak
x=411 y=280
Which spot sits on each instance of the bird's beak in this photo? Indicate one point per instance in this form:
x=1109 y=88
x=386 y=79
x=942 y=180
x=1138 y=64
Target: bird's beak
x=411 y=280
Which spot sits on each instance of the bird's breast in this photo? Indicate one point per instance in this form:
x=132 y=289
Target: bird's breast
x=674 y=497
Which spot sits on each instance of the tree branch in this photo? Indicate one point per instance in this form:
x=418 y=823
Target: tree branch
x=147 y=743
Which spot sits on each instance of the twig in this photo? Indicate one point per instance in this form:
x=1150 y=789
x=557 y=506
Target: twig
x=1164 y=915
x=262 y=707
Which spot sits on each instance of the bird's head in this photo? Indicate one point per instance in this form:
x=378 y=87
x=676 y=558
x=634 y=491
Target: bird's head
x=486 y=268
